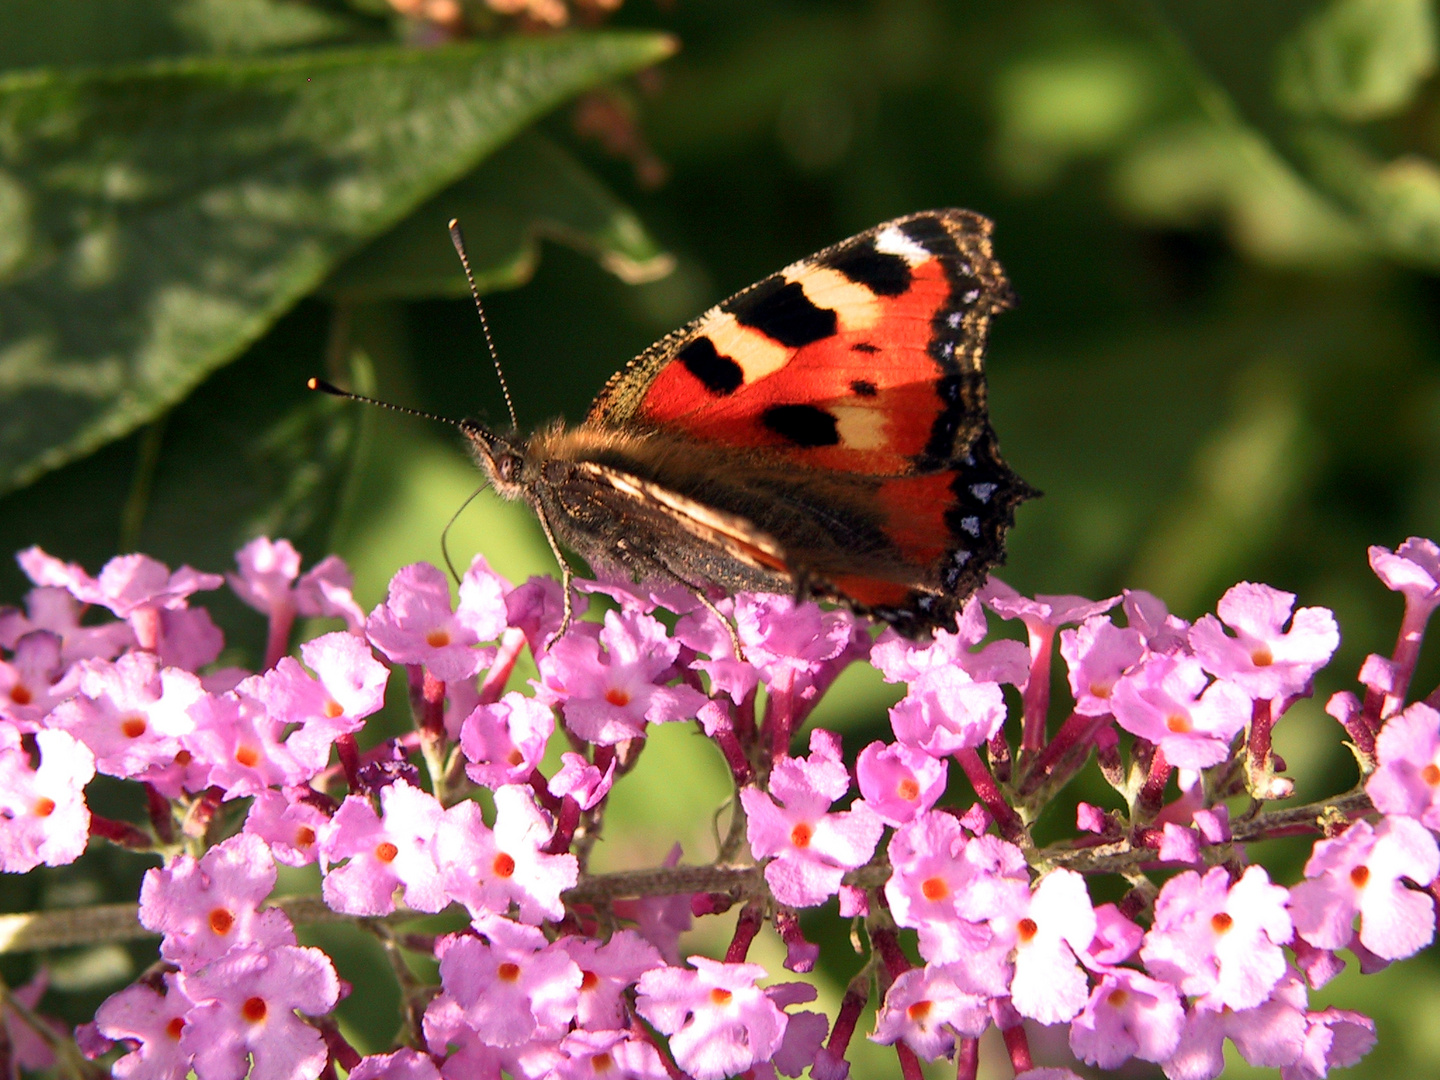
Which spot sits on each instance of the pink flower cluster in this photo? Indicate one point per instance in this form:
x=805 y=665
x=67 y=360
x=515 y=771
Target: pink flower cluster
x=564 y=975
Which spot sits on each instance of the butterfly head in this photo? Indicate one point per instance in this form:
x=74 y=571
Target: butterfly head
x=503 y=460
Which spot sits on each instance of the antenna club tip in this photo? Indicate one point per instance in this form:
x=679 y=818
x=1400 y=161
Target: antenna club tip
x=453 y=224
x=324 y=387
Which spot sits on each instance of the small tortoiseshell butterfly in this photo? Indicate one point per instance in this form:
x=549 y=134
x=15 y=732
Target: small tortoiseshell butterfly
x=822 y=433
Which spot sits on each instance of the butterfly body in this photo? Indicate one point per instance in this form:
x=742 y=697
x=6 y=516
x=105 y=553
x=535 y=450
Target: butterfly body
x=823 y=432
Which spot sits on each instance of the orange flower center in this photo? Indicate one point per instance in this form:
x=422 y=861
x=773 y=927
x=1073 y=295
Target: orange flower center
x=601 y=1063
x=20 y=694
x=1026 y=929
x=918 y=1011
x=386 y=852
x=247 y=756
x=720 y=997
x=934 y=889
x=589 y=980
x=908 y=789
x=254 y=1009
x=503 y=866
x=44 y=806
x=1261 y=656
x=508 y=972
x=133 y=726
x=1178 y=723
x=1118 y=997
x=221 y=921
x=800 y=835
x=1101 y=690
x=333 y=709
x=304 y=836
x=175 y=1027
x=437 y=639
x=617 y=697
x=1359 y=876
x=1221 y=923
x=1431 y=774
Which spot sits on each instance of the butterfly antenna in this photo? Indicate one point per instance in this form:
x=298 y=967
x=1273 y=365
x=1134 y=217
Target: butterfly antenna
x=330 y=388
x=458 y=239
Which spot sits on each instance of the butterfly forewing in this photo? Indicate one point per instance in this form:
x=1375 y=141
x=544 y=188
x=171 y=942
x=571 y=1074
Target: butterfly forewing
x=838 y=410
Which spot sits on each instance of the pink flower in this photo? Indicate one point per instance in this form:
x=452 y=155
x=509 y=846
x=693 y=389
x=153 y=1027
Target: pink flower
x=582 y=781
x=384 y=854
x=1166 y=700
x=1334 y=1039
x=1412 y=569
x=1269 y=1035
x=54 y=609
x=935 y=872
x=239 y=747
x=810 y=849
x=1046 y=928
x=1163 y=632
x=348 y=685
x=33 y=685
x=1097 y=653
x=1263 y=658
x=1048 y=612
x=1359 y=873
x=245 y=1022
x=946 y=711
x=416 y=626
x=928 y=1007
x=488 y=871
x=267 y=582
x=899 y=782
x=403 y=1064
x=1219 y=943
x=1407 y=780
x=132 y=714
x=504 y=742
x=515 y=986
x=46 y=819
x=610 y=687
x=127 y=583
x=207 y=907
x=607 y=970
x=155 y=1021
x=719 y=1022
x=1128 y=1016
x=291 y=828
x=608 y=1055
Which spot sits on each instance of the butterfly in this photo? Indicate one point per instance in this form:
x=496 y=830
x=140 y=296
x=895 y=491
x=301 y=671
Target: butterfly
x=822 y=433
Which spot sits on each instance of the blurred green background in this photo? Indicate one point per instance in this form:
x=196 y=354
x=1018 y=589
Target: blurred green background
x=1221 y=218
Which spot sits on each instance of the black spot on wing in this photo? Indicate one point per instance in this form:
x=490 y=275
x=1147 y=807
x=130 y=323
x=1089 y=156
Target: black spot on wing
x=882 y=274
x=865 y=347
x=930 y=233
x=720 y=374
x=864 y=388
x=781 y=311
x=803 y=425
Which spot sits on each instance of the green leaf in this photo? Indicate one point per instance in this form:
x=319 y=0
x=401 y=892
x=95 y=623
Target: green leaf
x=158 y=220
x=75 y=33
x=1359 y=60
x=529 y=190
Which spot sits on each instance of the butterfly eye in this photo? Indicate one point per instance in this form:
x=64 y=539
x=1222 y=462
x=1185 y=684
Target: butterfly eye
x=507 y=468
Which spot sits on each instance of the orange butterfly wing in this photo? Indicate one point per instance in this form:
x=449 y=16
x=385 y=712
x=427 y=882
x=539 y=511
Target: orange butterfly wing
x=863 y=361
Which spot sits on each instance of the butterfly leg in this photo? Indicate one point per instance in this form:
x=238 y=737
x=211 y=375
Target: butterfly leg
x=704 y=598
x=566 y=575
